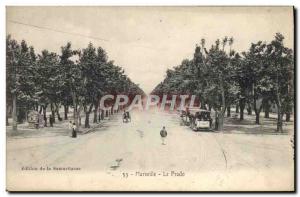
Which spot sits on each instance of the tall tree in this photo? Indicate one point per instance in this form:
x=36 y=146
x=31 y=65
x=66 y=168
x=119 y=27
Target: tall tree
x=280 y=65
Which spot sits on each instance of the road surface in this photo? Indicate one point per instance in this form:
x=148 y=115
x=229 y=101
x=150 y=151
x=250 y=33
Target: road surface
x=130 y=156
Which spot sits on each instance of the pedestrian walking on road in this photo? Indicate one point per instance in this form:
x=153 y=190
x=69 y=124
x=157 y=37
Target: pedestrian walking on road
x=74 y=133
x=163 y=134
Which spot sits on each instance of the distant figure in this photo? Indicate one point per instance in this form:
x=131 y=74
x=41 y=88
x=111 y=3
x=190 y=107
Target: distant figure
x=74 y=134
x=163 y=134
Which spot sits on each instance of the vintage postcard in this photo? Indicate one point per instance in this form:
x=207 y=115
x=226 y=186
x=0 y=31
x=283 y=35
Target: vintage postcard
x=150 y=98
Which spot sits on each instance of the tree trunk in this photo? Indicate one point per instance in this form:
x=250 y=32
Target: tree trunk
x=220 y=119
x=257 y=112
x=75 y=115
x=102 y=114
x=96 y=112
x=95 y=116
x=216 y=121
x=14 y=113
x=66 y=110
x=57 y=112
x=266 y=107
x=237 y=108
x=290 y=95
x=242 y=107
x=7 y=123
x=87 y=117
x=223 y=109
x=228 y=111
x=249 y=109
x=256 y=118
x=41 y=109
x=279 y=122
x=21 y=114
x=52 y=112
x=287 y=117
x=278 y=102
x=45 y=116
x=267 y=112
x=75 y=120
x=79 y=115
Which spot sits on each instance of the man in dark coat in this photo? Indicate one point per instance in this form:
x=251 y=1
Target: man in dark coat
x=163 y=135
x=74 y=133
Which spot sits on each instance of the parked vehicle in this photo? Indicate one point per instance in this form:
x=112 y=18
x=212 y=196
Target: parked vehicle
x=197 y=119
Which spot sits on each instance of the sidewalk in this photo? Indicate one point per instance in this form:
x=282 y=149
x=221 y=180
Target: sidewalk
x=248 y=126
x=60 y=128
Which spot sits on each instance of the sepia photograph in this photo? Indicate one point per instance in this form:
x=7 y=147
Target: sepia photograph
x=150 y=98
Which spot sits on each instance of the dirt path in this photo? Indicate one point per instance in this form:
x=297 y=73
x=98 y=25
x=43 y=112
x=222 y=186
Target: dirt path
x=120 y=153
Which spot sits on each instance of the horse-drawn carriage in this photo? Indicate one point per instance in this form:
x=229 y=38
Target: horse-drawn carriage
x=126 y=117
x=201 y=120
x=185 y=117
x=197 y=119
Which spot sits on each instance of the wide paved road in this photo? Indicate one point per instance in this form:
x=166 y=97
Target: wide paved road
x=123 y=156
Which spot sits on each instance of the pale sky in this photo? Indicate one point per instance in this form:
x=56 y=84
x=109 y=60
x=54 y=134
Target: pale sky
x=146 y=41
